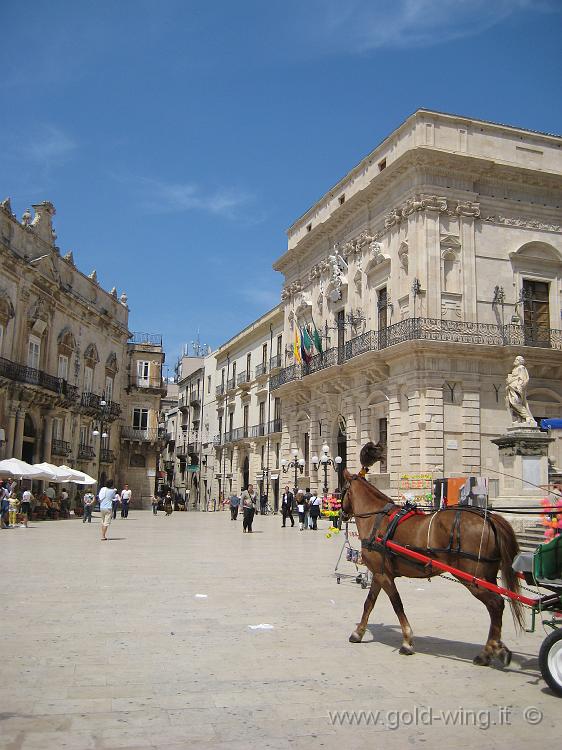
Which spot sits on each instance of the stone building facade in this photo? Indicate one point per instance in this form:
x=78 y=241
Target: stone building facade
x=248 y=437
x=426 y=270
x=68 y=363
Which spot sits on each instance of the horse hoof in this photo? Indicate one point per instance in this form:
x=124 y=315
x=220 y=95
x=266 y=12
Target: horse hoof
x=505 y=656
x=481 y=661
x=406 y=650
x=355 y=637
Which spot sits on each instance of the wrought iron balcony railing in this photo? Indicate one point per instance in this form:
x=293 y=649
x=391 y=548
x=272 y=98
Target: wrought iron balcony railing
x=99 y=404
x=31 y=376
x=275 y=361
x=231 y=384
x=261 y=370
x=265 y=428
x=154 y=339
x=242 y=378
x=424 y=329
x=146 y=435
x=146 y=384
x=86 y=451
x=107 y=456
x=219 y=390
x=60 y=448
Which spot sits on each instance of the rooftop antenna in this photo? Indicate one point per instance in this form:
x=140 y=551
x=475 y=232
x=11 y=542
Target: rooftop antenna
x=199 y=349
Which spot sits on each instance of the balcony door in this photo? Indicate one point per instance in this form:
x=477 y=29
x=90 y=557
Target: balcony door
x=88 y=379
x=536 y=313
x=340 y=325
x=140 y=419
x=143 y=370
x=382 y=315
x=33 y=352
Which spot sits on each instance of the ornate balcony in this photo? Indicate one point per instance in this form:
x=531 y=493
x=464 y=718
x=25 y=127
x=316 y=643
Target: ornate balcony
x=231 y=385
x=243 y=379
x=219 y=390
x=147 y=384
x=261 y=370
x=139 y=435
x=424 y=329
x=144 y=339
x=107 y=456
x=60 y=448
x=275 y=362
x=86 y=452
x=30 y=376
x=92 y=404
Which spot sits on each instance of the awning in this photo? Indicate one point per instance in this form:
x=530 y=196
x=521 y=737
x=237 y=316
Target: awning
x=13 y=467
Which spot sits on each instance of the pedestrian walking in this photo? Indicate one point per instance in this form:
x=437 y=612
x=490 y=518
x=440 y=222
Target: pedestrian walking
x=302 y=508
x=249 y=506
x=26 y=500
x=234 y=506
x=115 y=505
x=126 y=496
x=314 y=511
x=287 y=507
x=13 y=510
x=88 y=501
x=106 y=497
x=307 y=497
x=263 y=504
x=168 y=506
x=4 y=505
x=155 y=504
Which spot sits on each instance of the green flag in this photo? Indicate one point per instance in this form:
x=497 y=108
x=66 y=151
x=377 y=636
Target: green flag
x=306 y=345
x=316 y=339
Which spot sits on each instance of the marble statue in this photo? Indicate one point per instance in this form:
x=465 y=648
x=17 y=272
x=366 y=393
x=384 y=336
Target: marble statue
x=516 y=394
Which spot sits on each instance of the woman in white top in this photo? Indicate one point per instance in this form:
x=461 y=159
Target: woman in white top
x=301 y=507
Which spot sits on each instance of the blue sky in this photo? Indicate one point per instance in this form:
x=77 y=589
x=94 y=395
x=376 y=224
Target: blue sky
x=178 y=140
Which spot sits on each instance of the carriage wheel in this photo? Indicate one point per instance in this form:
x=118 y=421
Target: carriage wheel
x=550 y=661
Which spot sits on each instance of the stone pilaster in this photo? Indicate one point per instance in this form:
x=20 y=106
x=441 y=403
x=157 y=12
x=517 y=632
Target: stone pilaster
x=433 y=454
x=47 y=437
x=18 y=438
x=394 y=436
x=471 y=459
x=414 y=458
x=11 y=432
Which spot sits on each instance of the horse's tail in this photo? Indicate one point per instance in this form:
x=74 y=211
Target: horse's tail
x=509 y=547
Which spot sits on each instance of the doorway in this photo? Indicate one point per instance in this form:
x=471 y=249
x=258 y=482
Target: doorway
x=29 y=439
x=342 y=453
x=536 y=313
x=245 y=473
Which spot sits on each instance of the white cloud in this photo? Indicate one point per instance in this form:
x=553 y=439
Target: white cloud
x=364 y=25
x=48 y=146
x=163 y=197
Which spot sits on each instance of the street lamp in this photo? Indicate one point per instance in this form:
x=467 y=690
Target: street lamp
x=102 y=430
x=297 y=464
x=326 y=461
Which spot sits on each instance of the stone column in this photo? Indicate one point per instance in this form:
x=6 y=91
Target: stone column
x=47 y=437
x=18 y=439
x=10 y=433
x=434 y=427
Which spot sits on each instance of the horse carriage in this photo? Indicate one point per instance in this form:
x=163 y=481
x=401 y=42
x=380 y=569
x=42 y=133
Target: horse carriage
x=471 y=544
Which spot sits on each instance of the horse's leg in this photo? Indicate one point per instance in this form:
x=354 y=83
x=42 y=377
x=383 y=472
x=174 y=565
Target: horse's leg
x=494 y=646
x=392 y=592
x=359 y=632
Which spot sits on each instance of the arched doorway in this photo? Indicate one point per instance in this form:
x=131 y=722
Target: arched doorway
x=29 y=439
x=246 y=473
x=342 y=453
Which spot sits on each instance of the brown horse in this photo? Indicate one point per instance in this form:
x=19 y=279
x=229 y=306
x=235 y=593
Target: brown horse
x=473 y=541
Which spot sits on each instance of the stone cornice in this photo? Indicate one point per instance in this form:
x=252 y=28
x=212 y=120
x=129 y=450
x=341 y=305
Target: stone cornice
x=471 y=167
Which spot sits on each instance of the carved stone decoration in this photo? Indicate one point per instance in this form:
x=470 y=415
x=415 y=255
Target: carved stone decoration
x=523 y=221
x=468 y=208
x=66 y=339
x=7 y=311
x=91 y=354
x=26 y=218
x=393 y=218
x=516 y=394
x=412 y=205
x=69 y=258
x=358 y=281
x=403 y=256
x=303 y=305
x=291 y=289
x=6 y=206
x=38 y=310
x=113 y=292
x=111 y=363
x=434 y=203
x=94 y=276
x=123 y=299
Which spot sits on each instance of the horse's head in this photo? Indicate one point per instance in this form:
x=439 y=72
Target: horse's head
x=360 y=497
x=346 y=501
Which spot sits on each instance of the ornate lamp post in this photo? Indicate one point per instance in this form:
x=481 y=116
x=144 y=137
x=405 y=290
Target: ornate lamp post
x=104 y=406
x=326 y=461
x=297 y=464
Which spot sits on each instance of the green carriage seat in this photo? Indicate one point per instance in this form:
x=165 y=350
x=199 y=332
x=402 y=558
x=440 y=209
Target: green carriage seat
x=547 y=562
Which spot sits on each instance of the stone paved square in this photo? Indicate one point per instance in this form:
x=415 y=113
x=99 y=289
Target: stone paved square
x=107 y=645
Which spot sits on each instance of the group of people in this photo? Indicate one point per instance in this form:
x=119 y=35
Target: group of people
x=17 y=506
x=309 y=506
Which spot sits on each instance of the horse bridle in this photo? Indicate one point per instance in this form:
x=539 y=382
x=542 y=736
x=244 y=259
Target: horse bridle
x=345 y=518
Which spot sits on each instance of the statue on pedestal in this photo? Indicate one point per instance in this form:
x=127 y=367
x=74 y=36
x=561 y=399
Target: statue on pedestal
x=516 y=394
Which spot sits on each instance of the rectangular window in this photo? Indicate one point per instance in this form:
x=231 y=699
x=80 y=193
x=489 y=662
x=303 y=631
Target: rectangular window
x=279 y=345
x=536 y=313
x=246 y=413
x=222 y=377
x=340 y=324
x=88 y=379
x=108 y=388
x=208 y=383
x=264 y=355
x=85 y=434
x=1 y=338
x=143 y=370
x=234 y=372
x=220 y=425
x=33 y=352
x=230 y=421
x=262 y=456
x=62 y=371
x=277 y=454
x=342 y=199
x=261 y=419
x=248 y=365
x=277 y=408
x=140 y=419
x=382 y=165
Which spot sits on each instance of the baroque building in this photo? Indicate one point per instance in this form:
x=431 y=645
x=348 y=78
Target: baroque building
x=426 y=270
x=76 y=386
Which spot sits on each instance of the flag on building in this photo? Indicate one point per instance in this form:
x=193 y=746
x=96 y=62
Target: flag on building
x=297 y=344
x=316 y=339
x=306 y=344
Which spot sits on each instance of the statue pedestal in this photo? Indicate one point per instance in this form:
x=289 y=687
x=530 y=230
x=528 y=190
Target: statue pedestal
x=524 y=470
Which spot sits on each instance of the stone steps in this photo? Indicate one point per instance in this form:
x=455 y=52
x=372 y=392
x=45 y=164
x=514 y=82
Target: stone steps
x=530 y=538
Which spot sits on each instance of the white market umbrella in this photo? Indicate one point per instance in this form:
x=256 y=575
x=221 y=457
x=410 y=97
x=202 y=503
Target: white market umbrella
x=57 y=473
x=78 y=477
x=13 y=467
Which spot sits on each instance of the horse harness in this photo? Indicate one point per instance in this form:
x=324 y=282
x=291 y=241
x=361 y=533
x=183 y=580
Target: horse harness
x=397 y=515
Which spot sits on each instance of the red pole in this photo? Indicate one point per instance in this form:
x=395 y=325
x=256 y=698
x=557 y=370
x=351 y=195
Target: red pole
x=480 y=582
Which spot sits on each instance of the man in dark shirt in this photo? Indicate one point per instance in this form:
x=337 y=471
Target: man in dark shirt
x=287 y=506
